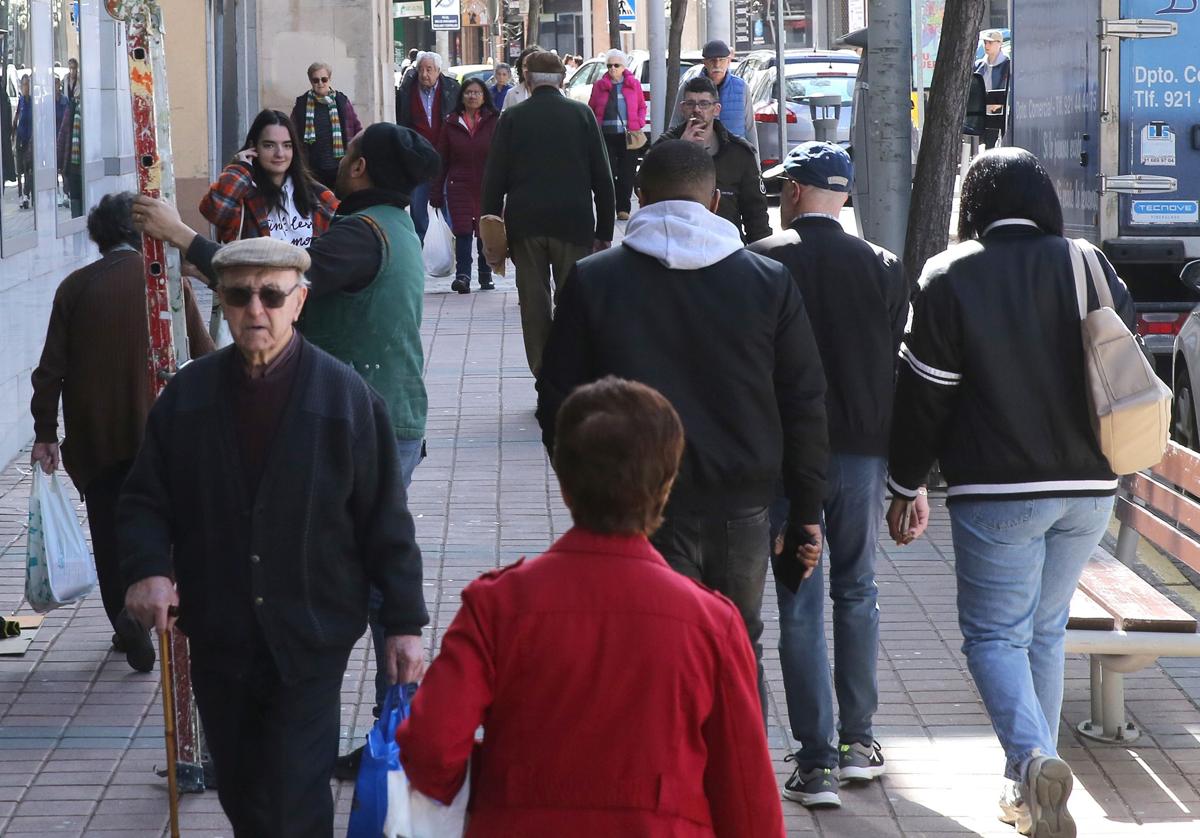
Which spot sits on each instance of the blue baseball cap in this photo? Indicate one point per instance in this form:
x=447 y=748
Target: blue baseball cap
x=824 y=165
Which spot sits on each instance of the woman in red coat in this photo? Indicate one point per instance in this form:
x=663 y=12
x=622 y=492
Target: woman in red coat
x=617 y=115
x=617 y=697
x=464 y=149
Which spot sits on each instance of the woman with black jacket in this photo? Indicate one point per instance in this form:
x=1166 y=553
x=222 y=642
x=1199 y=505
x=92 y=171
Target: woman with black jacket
x=992 y=384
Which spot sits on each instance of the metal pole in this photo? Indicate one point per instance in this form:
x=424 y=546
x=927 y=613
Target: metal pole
x=659 y=95
x=818 y=36
x=889 y=155
x=781 y=109
x=587 y=28
x=718 y=21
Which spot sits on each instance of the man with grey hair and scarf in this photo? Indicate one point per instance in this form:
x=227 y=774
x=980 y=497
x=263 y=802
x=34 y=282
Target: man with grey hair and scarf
x=423 y=101
x=266 y=499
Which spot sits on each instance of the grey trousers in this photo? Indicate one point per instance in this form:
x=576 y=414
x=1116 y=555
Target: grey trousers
x=535 y=258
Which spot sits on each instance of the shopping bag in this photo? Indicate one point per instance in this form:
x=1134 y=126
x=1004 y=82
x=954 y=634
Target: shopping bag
x=381 y=756
x=439 y=246
x=495 y=241
x=411 y=814
x=58 y=567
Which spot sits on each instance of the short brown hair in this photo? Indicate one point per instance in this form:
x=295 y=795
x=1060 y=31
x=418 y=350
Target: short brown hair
x=616 y=452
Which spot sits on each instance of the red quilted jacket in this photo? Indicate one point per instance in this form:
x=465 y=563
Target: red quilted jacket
x=464 y=156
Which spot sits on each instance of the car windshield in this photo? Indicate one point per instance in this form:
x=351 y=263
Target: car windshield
x=810 y=84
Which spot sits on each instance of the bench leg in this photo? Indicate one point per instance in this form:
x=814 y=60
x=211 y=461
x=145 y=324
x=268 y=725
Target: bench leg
x=1127 y=544
x=1108 y=723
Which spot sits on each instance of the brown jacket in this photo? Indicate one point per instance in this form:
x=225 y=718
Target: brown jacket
x=95 y=358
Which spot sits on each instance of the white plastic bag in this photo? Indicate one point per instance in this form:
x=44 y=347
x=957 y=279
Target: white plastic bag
x=439 y=246
x=411 y=814
x=59 y=568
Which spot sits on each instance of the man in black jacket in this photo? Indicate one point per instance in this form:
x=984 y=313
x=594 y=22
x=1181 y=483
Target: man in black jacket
x=267 y=496
x=743 y=196
x=723 y=334
x=857 y=297
x=546 y=171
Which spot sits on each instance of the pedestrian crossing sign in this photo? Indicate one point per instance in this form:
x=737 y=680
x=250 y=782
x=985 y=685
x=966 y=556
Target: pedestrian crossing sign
x=627 y=11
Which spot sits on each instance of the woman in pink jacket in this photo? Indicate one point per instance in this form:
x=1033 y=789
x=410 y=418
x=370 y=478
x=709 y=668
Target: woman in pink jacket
x=620 y=107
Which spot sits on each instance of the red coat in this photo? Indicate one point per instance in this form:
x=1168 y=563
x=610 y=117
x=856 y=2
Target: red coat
x=464 y=156
x=635 y=100
x=618 y=698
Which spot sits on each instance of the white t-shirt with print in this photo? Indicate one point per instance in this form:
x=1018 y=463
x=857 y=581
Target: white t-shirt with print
x=285 y=221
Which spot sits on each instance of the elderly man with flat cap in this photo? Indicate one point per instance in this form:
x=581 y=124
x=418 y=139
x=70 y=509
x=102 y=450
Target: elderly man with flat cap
x=367 y=294
x=268 y=495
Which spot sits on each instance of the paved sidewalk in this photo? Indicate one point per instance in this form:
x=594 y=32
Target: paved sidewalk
x=81 y=735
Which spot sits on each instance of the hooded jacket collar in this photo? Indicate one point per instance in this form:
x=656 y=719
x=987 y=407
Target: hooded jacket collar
x=682 y=235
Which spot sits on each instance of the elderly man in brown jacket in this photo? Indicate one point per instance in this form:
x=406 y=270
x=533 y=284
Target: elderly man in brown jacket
x=95 y=360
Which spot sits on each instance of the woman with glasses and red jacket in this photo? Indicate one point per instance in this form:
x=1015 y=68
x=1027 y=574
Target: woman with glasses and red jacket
x=620 y=107
x=464 y=145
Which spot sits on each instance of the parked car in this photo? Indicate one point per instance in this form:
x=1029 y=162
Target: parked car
x=1185 y=429
x=462 y=72
x=579 y=86
x=816 y=74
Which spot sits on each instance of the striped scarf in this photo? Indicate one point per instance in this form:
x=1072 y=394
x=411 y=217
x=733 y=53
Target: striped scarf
x=335 y=122
x=76 y=151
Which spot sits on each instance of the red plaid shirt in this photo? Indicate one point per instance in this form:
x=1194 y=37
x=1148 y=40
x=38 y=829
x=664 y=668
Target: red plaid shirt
x=234 y=203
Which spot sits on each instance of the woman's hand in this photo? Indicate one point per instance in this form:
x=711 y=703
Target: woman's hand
x=246 y=155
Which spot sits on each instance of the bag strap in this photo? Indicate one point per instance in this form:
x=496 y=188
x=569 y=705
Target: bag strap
x=1079 y=273
x=1099 y=278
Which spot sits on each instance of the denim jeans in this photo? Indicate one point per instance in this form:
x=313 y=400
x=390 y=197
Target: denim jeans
x=1018 y=562
x=418 y=207
x=462 y=257
x=852 y=511
x=726 y=552
x=411 y=452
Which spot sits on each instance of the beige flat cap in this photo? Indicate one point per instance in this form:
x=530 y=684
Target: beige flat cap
x=261 y=253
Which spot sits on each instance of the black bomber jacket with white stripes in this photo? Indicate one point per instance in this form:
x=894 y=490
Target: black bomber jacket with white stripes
x=991 y=377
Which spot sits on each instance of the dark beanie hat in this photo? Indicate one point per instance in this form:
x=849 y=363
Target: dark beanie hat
x=398 y=158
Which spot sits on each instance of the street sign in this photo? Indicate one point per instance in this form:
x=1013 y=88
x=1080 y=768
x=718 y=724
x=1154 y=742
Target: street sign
x=408 y=8
x=447 y=15
x=626 y=11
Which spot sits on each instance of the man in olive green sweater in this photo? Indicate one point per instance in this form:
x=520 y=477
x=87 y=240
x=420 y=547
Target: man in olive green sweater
x=546 y=171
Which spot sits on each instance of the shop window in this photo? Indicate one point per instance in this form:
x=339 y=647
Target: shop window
x=17 y=209
x=68 y=111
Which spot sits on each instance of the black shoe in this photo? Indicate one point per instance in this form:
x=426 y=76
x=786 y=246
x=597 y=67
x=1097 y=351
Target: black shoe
x=461 y=284
x=138 y=648
x=486 y=284
x=346 y=766
x=118 y=645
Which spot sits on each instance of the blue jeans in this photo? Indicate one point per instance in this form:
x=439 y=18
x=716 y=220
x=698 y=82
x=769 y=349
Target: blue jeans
x=462 y=257
x=852 y=511
x=1018 y=562
x=418 y=207
x=411 y=452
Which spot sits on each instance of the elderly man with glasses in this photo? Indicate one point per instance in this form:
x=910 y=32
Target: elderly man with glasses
x=266 y=499
x=743 y=197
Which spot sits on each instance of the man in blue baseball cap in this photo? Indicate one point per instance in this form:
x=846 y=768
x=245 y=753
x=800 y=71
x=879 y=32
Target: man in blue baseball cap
x=858 y=300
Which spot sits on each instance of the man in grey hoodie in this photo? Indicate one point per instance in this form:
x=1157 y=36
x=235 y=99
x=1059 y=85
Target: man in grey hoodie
x=722 y=333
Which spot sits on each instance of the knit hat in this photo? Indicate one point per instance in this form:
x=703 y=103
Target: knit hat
x=398 y=158
x=262 y=252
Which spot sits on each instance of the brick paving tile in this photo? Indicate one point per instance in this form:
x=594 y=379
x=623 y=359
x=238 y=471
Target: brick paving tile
x=80 y=735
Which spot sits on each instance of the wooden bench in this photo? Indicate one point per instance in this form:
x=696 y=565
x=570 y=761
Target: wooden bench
x=1118 y=619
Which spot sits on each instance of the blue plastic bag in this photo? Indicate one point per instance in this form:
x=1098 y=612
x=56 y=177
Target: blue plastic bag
x=380 y=755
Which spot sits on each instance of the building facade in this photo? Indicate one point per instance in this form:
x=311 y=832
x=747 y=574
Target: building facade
x=67 y=91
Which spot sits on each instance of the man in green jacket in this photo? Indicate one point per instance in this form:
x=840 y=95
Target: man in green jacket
x=365 y=303
x=546 y=171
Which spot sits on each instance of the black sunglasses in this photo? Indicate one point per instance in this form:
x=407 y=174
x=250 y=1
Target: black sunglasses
x=610 y=66
x=319 y=81
x=239 y=296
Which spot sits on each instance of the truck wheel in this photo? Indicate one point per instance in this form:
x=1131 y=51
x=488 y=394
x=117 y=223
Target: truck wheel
x=1183 y=413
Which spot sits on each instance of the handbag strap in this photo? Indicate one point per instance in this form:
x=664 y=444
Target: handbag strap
x=1083 y=251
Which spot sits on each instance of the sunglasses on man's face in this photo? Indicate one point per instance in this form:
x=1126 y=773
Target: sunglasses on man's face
x=239 y=296
x=321 y=80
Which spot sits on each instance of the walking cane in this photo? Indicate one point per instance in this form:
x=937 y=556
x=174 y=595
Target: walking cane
x=164 y=647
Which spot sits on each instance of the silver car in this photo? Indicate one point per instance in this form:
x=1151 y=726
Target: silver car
x=820 y=75
x=1185 y=429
